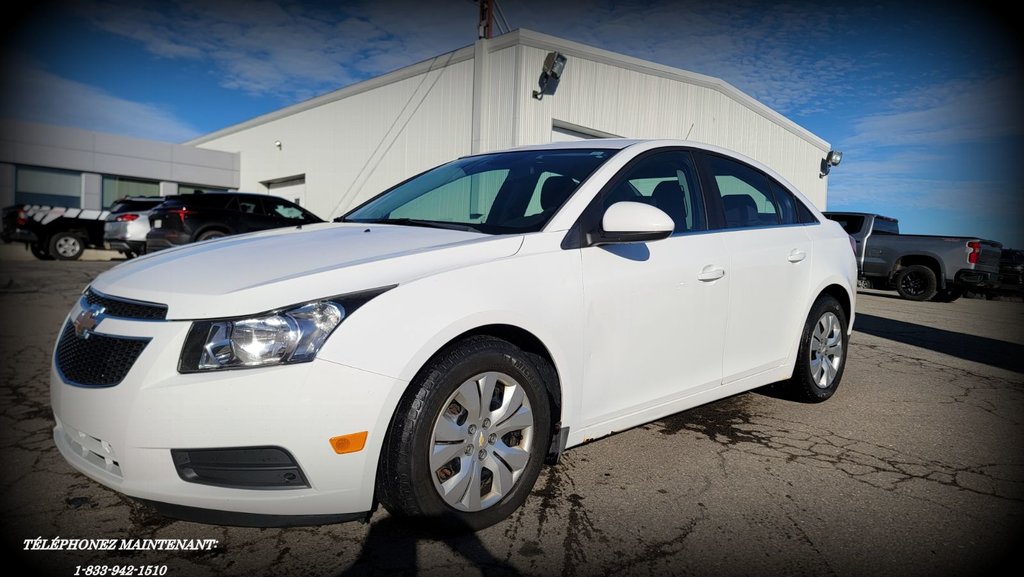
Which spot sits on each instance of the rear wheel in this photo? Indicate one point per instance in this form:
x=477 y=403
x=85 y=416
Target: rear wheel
x=821 y=358
x=916 y=282
x=469 y=437
x=66 y=246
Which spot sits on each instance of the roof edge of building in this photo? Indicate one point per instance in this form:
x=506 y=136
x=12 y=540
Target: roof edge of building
x=455 y=56
x=570 y=48
x=538 y=40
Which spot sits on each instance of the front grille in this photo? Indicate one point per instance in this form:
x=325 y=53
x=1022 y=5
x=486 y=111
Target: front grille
x=96 y=361
x=126 y=309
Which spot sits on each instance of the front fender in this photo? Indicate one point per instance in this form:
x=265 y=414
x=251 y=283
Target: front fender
x=396 y=333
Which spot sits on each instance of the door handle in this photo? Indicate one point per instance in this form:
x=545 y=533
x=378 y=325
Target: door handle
x=710 y=273
x=797 y=255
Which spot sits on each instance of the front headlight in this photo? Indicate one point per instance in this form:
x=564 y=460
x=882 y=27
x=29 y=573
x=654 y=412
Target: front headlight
x=291 y=335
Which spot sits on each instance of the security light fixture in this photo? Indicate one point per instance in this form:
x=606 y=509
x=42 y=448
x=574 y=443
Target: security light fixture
x=277 y=143
x=554 y=64
x=833 y=158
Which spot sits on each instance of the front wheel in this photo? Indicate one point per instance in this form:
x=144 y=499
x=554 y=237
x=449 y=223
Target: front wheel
x=821 y=356
x=39 y=252
x=469 y=437
x=66 y=246
x=916 y=282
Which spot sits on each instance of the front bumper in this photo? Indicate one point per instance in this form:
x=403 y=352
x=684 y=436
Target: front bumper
x=122 y=435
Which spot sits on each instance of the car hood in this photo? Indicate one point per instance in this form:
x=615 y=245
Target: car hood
x=247 y=274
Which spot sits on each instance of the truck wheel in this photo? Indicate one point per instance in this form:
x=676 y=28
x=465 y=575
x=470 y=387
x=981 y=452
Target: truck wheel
x=916 y=282
x=948 y=295
x=39 y=252
x=821 y=356
x=66 y=246
x=468 y=439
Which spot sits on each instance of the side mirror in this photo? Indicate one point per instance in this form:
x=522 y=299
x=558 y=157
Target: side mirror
x=632 y=222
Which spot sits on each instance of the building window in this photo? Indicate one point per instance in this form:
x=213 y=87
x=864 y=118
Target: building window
x=198 y=189
x=46 y=186
x=115 y=187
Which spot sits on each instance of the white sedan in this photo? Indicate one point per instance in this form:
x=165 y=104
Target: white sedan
x=431 y=349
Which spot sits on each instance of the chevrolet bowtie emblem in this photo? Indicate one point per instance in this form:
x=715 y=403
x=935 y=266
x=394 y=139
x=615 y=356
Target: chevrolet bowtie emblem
x=86 y=321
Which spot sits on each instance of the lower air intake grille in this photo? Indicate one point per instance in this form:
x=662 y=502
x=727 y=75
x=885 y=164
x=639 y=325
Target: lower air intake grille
x=96 y=361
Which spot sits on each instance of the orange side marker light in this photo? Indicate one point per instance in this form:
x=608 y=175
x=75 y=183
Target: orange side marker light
x=351 y=443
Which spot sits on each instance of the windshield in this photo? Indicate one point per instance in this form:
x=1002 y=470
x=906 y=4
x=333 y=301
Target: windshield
x=507 y=192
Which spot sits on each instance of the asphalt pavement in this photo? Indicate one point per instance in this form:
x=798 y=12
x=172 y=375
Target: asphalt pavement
x=914 y=467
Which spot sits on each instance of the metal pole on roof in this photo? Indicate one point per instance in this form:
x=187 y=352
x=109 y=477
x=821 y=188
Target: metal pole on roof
x=485 y=27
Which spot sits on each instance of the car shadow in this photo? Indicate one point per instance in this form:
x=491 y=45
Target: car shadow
x=390 y=548
x=992 y=352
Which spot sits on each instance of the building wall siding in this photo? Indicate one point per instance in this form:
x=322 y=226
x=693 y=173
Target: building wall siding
x=353 y=148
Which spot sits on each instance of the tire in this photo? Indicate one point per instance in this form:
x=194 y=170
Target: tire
x=438 y=416
x=948 y=295
x=66 y=246
x=821 y=356
x=39 y=252
x=210 y=234
x=916 y=282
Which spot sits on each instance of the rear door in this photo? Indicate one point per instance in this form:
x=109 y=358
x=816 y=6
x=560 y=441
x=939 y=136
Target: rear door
x=769 y=267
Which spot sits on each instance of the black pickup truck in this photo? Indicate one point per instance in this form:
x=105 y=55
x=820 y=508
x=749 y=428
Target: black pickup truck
x=919 y=267
x=54 y=232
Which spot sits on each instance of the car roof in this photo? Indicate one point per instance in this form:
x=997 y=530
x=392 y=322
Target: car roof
x=222 y=193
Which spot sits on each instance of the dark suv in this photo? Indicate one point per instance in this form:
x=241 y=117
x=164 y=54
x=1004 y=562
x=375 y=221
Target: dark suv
x=193 y=217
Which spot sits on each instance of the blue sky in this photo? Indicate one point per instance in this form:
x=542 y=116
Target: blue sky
x=922 y=98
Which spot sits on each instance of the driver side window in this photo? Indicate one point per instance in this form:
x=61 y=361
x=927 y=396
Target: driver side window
x=668 y=181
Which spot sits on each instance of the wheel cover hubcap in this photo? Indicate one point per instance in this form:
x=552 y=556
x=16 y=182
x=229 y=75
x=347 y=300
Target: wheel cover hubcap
x=480 y=443
x=826 y=350
x=67 y=246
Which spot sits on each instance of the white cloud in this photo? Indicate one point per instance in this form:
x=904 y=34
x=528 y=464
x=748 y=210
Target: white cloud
x=34 y=95
x=960 y=111
x=293 y=49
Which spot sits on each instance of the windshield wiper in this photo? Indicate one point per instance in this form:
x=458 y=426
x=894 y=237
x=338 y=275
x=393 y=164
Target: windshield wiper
x=420 y=222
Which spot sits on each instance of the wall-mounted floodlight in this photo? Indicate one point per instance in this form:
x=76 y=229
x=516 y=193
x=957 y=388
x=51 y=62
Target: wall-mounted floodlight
x=554 y=64
x=277 y=143
x=833 y=158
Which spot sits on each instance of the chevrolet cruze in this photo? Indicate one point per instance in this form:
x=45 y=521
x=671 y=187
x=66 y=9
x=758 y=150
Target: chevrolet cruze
x=433 y=347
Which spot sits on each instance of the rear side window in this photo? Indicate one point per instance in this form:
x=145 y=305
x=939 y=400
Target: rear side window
x=793 y=210
x=747 y=199
x=282 y=209
x=886 y=226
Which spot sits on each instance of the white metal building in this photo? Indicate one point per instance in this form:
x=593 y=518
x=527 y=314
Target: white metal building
x=336 y=150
